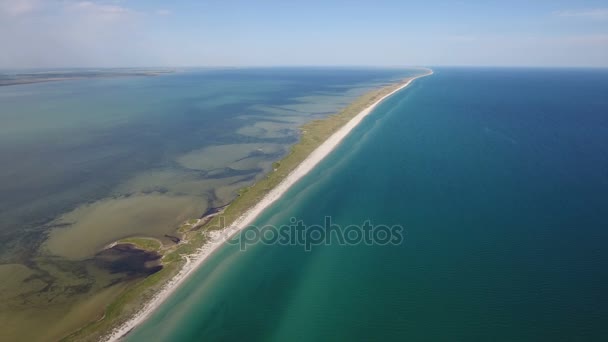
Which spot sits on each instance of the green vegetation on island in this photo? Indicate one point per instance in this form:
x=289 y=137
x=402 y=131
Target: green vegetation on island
x=143 y=243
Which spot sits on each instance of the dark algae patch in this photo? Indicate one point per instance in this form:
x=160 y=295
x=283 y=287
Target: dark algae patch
x=129 y=260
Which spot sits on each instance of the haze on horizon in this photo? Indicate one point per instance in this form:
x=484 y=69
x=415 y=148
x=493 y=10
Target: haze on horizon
x=117 y=33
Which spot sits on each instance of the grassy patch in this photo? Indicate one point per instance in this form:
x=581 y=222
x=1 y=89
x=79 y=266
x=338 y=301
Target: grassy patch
x=148 y=244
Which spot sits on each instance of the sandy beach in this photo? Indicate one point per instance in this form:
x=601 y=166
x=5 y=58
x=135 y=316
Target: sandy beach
x=217 y=238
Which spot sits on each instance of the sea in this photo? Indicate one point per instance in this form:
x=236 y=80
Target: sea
x=498 y=178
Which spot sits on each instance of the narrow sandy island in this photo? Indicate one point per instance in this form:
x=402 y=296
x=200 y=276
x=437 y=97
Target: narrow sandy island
x=217 y=238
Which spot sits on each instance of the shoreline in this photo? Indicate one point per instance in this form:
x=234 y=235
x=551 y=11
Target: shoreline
x=217 y=238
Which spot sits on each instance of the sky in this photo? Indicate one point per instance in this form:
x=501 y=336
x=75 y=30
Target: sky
x=155 y=33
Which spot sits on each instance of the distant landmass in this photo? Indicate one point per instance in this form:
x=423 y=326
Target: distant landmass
x=28 y=77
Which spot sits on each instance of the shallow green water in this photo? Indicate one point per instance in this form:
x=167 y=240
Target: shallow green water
x=500 y=178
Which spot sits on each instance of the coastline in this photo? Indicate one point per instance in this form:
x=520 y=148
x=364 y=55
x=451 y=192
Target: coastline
x=217 y=238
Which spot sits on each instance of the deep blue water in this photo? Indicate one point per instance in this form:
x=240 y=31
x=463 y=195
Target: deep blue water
x=500 y=178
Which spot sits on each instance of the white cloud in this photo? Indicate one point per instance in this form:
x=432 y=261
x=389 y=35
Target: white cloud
x=71 y=33
x=595 y=13
x=463 y=38
x=89 y=5
x=18 y=7
x=589 y=39
x=99 y=9
x=162 y=12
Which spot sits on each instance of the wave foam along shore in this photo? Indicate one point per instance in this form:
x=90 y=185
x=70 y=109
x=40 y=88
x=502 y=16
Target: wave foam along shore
x=218 y=238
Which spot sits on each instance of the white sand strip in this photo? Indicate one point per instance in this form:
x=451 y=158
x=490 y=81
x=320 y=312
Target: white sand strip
x=218 y=238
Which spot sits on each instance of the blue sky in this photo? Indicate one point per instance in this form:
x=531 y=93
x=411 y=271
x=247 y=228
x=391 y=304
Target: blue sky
x=107 y=33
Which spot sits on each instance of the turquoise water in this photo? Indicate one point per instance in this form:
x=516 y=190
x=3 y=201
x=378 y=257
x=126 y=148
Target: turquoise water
x=500 y=178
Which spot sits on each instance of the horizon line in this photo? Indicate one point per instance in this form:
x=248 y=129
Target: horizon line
x=341 y=66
